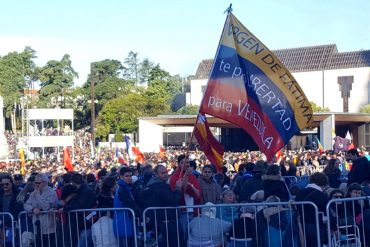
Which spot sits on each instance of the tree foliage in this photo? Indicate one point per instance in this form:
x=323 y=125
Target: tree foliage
x=316 y=108
x=16 y=70
x=365 y=109
x=56 y=78
x=188 y=110
x=121 y=115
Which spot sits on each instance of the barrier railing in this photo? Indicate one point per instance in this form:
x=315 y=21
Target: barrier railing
x=85 y=227
x=244 y=224
x=348 y=222
x=7 y=230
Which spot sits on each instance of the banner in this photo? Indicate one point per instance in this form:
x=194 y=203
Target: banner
x=251 y=88
x=21 y=157
x=67 y=160
x=208 y=143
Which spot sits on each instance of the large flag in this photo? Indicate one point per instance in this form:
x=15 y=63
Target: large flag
x=23 y=162
x=251 y=88
x=208 y=143
x=133 y=151
x=67 y=160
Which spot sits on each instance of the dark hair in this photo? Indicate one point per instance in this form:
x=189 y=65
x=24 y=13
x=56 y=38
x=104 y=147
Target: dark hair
x=353 y=151
x=67 y=190
x=77 y=178
x=102 y=173
x=124 y=170
x=157 y=168
x=242 y=167
x=7 y=177
x=336 y=191
x=352 y=187
x=90 y=178
x=319 y=178
x=180 y=157
x=193 y=164
x=107 y=184
x=209 y=167
x=330 y=166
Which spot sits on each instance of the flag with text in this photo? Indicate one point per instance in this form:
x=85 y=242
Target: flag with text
x=251 y=88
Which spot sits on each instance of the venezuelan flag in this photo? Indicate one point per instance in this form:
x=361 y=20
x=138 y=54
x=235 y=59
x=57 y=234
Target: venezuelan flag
x=250 y=87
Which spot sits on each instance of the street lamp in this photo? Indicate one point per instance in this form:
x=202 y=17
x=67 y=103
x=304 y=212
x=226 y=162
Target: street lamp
x=92 y=99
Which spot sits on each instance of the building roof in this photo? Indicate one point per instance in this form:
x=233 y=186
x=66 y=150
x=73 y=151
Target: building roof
x=341 y=118
x=309 y=58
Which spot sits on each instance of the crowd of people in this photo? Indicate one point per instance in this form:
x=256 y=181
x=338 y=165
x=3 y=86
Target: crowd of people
x=183 y=179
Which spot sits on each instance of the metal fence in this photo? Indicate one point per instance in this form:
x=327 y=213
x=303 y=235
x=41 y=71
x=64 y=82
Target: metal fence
x=88 y=227
x=348 y=222
x=234 y=225
x=6 y=230
x=289 y=224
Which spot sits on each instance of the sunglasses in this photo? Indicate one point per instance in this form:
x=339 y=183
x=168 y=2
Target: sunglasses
x=38 y=182
x=7 y=184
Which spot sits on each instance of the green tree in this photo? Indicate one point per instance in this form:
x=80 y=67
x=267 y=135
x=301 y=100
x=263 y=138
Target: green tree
x=17 y=70
x=121 y=115
x=365 y=109
x=316 y=108
x=56 y=79
x=145 y=68
x=131 y=67
x=188 y=110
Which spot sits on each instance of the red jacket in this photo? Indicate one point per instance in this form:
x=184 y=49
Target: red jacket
x=191 y=180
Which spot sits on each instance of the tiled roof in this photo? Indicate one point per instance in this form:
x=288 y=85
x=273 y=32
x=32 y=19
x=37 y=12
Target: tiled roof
x=310 y=58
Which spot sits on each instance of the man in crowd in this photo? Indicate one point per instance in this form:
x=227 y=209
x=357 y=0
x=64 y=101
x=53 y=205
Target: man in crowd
x=190 y=192
x=85 y=198
x=8 y=197
x=360 y=171
x=122 y=219
x=41 y=200
x=160 y=195
x=314 y=192
x=18 y=181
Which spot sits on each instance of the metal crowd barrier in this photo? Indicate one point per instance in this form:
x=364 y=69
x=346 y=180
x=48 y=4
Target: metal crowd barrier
x=7 y=230
x=245 y=224
x=348 y=222
x=82 y=228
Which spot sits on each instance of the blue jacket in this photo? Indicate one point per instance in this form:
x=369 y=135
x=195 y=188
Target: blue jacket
x=122 y=220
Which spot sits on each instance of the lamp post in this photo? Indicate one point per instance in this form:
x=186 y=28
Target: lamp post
x=92 y=98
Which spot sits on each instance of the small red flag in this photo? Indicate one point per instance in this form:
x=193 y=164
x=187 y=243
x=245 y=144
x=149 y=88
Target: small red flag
x=67 y=160
x=139 y=155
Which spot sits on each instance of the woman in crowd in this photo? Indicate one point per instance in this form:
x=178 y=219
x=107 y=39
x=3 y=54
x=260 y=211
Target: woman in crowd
x=227 y=213
x=206 y=229
x=210 y=190
x=333 y=173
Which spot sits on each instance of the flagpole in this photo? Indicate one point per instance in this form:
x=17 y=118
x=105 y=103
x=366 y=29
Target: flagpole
x=228 y=11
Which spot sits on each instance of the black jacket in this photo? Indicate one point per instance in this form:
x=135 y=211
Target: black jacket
x=249 y=187
x=277 y=188
x=160 y=195
x=14 y=207
x=320 y=199
x=360 y=171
